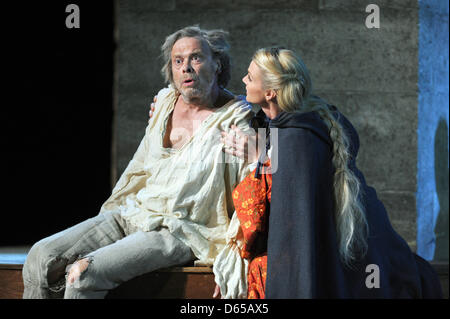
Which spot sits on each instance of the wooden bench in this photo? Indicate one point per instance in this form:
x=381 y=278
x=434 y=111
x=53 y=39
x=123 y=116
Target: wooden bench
x=176 y=282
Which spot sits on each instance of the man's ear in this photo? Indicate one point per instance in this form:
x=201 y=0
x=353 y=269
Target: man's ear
x=270 y=95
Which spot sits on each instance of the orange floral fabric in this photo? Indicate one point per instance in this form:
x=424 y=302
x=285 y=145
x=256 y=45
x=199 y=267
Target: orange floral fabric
x=251 y=198
x=257 y=273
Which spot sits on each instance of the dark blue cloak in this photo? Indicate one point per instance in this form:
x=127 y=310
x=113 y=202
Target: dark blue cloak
x=303 y=257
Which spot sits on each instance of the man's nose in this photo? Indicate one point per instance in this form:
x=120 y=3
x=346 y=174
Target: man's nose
x=187 y=67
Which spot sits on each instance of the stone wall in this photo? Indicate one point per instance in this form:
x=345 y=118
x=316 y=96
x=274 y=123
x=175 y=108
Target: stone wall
x=432 y=132
x=370 y=74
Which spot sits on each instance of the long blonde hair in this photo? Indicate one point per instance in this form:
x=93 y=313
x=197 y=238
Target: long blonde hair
x=287 y=75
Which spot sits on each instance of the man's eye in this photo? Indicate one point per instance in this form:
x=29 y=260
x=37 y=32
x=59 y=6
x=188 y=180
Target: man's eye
x=196 y=58
x=178 y=61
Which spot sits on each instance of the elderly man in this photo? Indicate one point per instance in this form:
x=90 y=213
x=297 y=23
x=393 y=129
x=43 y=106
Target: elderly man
x=172 y=204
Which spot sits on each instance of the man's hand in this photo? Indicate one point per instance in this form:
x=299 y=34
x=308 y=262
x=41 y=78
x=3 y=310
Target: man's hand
x=216 y=291
x=239 y=144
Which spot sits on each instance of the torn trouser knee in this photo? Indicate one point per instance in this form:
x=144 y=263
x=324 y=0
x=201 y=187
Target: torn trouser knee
x=43 y=274
x=79 y=273
x=86 y=284
x=45 y=267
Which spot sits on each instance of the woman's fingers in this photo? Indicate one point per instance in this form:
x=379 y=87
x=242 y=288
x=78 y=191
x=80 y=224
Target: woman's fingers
x=234 y=144
x=229 y=139
x=234 y=152
x=240 y=144
x=237 y=130
x=152 y=107
x=151 y=111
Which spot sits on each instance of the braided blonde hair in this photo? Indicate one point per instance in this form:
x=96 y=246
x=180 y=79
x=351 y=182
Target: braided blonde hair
x=288 y=76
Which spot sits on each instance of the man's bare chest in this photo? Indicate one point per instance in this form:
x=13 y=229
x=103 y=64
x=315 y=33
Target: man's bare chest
x=181 y=126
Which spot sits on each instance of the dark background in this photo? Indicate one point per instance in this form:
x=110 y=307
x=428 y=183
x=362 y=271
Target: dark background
x=57 y=106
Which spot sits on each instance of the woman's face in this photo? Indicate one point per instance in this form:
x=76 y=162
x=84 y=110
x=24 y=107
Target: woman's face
x=254 y=85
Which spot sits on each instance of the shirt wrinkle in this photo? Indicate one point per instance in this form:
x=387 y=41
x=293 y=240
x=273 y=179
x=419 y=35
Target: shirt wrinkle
x=185 y=190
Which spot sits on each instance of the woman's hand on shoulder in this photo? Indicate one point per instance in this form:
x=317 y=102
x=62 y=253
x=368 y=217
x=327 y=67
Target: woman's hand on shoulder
x=240 y=144
x=152 y=108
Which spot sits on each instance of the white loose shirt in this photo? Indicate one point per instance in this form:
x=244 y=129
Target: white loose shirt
x=188 y=190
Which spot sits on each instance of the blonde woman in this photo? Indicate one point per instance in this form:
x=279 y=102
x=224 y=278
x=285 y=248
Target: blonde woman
x=327 y=234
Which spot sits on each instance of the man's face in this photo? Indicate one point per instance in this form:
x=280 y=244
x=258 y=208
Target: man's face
x=193 y=68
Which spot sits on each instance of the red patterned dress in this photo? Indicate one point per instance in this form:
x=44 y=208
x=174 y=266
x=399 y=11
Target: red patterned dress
x=251 y=200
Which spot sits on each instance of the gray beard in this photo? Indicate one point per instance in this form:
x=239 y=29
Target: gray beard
x=197 y=93
x=191 y=94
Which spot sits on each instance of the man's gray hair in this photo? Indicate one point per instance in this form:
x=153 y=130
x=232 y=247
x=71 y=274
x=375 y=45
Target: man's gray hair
x=216 y=40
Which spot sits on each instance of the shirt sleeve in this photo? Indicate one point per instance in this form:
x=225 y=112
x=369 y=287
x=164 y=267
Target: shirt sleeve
x=134 y=176
x=229 y=268
x=131 y=180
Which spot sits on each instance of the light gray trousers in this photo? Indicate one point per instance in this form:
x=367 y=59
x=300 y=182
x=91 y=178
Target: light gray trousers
x=116 y=253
